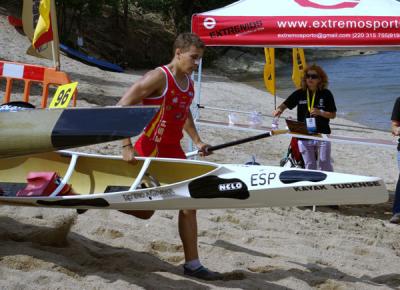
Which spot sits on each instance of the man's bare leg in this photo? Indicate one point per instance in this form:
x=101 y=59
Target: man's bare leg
x=188 y=233
x=142 y=214
x=187 y=229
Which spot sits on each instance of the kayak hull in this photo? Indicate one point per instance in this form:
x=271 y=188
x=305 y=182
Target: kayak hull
x=102 y=64
x=107 y=182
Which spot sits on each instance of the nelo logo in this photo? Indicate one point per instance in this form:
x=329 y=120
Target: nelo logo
x=209 y=23
x=336 y=4
x=230 y=186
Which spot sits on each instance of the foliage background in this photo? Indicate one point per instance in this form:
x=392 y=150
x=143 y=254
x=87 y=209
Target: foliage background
x=140 y=33
x=132 y=33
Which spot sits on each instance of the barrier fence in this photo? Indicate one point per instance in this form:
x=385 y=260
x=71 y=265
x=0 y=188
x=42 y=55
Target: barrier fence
x=11 y=71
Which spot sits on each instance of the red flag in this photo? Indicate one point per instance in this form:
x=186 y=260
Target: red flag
x=39 y=21
x=43 y=31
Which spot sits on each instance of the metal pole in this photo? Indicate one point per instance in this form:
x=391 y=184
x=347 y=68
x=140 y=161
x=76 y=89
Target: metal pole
x=195 y=105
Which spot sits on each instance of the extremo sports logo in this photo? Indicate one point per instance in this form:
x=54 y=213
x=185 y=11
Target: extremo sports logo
x=335 y=4
x=209 y=23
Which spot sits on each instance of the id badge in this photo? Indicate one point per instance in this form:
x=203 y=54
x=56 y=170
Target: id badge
x=311 y=125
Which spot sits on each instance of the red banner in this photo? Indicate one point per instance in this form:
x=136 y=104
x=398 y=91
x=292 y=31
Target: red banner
x=297 y=31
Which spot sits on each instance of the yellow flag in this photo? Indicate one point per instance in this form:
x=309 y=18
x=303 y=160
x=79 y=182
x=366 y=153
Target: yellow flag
x=299 y=64
x=269 y=70
x=43 y=31
x=31 y=15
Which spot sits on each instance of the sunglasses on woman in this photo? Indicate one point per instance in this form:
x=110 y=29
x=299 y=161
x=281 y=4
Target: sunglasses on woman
x=312 y=76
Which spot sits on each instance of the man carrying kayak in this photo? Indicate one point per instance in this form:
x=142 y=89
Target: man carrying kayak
x=170 y=87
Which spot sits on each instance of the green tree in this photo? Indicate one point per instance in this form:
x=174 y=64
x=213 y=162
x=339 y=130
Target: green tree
x=74 y=12
x=180 y=11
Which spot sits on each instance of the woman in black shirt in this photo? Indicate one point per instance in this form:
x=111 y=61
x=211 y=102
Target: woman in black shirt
x=315 y=106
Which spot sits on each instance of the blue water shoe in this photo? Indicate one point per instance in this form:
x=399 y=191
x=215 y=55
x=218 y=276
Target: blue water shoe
x=202 y=273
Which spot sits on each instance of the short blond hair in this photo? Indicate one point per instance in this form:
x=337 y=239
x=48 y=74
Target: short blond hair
x=185 y=40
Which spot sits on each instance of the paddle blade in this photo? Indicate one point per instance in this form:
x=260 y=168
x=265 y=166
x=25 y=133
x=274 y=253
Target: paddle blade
x=279 y=132
x=44 y=130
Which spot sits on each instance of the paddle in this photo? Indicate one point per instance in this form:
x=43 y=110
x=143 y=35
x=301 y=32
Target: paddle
x=295 y=127
x=240 y=141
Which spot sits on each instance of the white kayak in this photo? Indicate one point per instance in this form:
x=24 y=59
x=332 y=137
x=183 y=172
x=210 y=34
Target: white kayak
x=108 y=182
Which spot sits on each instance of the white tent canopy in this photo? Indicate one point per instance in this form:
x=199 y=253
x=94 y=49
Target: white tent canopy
x=301 y=23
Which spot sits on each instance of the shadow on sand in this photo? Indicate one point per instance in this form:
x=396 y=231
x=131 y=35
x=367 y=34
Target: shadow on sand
x=382 y=211
x=313 y=274
x=80 y=257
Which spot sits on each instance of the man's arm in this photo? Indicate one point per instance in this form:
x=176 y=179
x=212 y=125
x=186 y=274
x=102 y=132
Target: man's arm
x=152 y=83
x=191 y=130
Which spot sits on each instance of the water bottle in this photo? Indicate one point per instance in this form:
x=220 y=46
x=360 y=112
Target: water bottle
x=232 y=119
x=255 y=119
x=275 y=123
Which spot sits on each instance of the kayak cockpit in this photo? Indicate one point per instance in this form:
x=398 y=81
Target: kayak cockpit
x=92 y=173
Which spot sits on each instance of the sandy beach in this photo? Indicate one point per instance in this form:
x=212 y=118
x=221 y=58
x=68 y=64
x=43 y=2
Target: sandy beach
x=354 y=247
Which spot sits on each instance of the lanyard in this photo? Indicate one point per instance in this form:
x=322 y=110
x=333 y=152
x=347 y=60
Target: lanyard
x=310 y=106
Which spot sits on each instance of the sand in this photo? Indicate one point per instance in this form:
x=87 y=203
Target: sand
x=354 y=247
